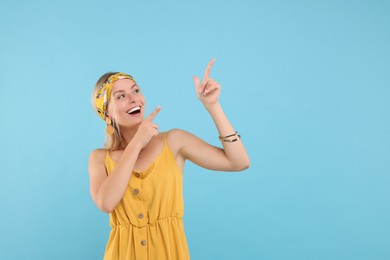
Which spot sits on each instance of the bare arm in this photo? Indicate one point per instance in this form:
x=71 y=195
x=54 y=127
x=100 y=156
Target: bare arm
x=233 y=156
x=235 y=152
x=107 y=191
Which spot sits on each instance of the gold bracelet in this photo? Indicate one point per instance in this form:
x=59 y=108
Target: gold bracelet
x=224 y=137
x=231 y=141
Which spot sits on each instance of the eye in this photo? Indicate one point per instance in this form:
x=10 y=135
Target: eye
x=120 y=96
x=137 y=91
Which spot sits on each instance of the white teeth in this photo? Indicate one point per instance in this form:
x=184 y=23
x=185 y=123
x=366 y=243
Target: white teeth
x=133 y=109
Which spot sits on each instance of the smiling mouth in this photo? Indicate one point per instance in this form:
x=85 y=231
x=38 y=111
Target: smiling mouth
x=134 y=111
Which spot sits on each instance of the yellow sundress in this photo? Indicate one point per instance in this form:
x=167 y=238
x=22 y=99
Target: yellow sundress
x=147 y=223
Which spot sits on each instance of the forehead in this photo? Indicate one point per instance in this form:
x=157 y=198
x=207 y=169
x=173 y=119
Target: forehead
x=123 y=84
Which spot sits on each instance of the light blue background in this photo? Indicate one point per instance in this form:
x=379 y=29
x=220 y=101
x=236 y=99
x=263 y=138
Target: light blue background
x=306 y=83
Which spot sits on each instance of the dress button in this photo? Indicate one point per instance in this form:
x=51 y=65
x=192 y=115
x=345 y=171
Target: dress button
x=143 y=242
x=140 y=215
x=137 y=174
x=136 y=191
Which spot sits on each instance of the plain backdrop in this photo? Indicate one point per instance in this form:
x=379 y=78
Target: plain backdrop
x=306 y=84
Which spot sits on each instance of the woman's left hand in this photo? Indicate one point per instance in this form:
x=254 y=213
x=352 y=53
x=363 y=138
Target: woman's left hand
x=208 y=90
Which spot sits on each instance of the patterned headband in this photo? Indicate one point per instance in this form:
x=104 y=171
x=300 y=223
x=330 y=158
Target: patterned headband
x=104 y=95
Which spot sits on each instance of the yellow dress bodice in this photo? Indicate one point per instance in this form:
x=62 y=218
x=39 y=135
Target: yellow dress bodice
x=147 y=223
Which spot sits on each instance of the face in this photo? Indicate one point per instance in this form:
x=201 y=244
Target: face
x=126 y=105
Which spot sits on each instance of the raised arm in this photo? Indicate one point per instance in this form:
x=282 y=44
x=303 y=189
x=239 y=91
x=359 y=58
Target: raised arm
x=233 y=156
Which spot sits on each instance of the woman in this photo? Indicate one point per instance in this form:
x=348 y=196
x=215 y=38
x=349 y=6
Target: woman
x=137 y=178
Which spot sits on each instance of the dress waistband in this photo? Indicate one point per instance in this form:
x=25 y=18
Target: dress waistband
x=147 y=224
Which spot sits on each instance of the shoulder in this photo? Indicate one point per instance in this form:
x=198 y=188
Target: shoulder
x=175 y=132
x=174 y=139
x=178 y=140
x=97 y=156
x=178 y=135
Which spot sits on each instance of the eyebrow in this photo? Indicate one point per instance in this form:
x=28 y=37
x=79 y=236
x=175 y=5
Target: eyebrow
x=118 y=91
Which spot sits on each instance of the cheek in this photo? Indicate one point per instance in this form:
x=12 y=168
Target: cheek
x=115 y=106
x=142 y=99
x=122 y=107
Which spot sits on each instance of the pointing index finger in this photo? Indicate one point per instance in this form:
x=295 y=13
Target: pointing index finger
x=153 y=114
x=208 y=70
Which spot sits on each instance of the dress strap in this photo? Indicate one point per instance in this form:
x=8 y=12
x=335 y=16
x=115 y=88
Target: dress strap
x=107 y=159
x=165 y=139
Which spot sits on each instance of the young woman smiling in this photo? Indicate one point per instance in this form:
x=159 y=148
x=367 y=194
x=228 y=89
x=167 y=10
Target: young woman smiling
x=137 y=177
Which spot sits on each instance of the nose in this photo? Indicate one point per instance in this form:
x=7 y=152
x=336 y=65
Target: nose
x=131 y=99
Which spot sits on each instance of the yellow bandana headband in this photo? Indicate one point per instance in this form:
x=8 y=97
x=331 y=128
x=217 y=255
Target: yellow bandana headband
x=104 y=95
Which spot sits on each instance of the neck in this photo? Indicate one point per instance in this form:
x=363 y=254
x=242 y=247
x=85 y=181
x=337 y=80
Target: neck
x=128 y=135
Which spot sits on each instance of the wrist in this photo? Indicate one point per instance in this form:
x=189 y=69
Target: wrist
x=134 y=145
x=212 y=107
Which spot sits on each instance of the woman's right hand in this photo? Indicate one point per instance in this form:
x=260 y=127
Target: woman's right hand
x=147 y=129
